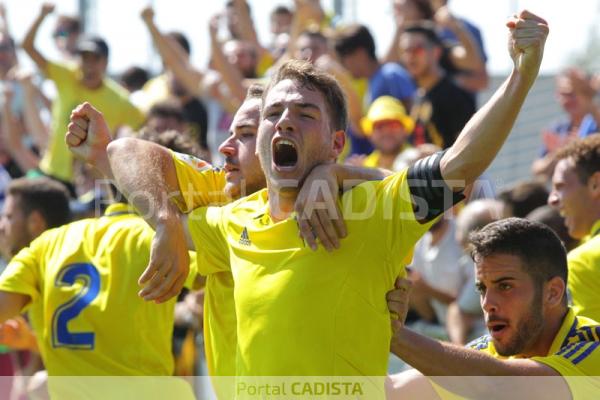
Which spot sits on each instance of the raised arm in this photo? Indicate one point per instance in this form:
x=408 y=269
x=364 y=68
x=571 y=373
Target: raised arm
x=230 y=74
x=173 y=56
x=31 y=112
x=11 y=136
x=246 y=27
x=485 y=133
x=148 y=191
x=29 y=42
x=466 y=55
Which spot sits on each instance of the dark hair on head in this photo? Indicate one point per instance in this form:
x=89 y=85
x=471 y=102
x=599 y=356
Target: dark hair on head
x=354 y=37
x=314 y=33
x=182 y=40
x=424 y=8
x=134 y=78
x=586 y=155
x=180 y=142
x=48 y=197
x=524 y=197
x=230 y=4
x=551 y=217
x=166 y=109
x=255 y=91
x=281 y=10
x=427 y=29
x=73 y=24
x=309 y=76
x=540 y=250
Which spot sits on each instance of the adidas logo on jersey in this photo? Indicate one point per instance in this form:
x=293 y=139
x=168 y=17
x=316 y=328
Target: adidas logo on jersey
x=244 y=238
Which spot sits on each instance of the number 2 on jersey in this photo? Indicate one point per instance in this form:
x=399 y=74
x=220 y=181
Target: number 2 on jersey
x=61 y=337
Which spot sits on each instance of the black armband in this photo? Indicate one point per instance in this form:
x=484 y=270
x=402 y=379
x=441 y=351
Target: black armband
x=431 y=195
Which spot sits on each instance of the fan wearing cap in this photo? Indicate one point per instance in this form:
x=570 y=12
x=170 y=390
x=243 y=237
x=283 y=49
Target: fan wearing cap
x=387 y=126
x=84 y=81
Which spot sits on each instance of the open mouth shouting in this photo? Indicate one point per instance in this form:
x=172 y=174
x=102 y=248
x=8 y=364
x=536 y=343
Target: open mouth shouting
x=497 y=328
x=285 y=154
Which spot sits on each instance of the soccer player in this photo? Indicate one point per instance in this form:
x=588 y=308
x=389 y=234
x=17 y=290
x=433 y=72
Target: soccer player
x=191 y=183
x=79 y=284
x=521 y=274
x=290 y=317
x=576 y=194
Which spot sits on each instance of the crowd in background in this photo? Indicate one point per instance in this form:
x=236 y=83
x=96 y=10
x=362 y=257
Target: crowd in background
x=402 y=107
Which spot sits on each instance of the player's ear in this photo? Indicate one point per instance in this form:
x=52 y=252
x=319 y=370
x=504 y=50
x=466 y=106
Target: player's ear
x=554 y=291
x=36 y=224
x=594 y=184
x=339 y=140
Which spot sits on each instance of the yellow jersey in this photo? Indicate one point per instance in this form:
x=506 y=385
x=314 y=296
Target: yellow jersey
x=202 y=185
x=573 y=353
x=82 y=281
x=304 y=312
x=111 y=99
x=584 y=276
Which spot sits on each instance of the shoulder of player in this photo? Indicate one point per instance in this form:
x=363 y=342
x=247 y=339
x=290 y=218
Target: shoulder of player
x=481 y=343
x=590 y=248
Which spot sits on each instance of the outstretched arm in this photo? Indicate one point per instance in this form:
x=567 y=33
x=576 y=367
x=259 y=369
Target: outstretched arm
x=29 y=41
x=485 y=133
x=438 y=359
x=173 y=56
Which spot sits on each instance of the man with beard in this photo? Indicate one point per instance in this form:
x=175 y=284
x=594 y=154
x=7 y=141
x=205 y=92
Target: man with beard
x=521 y=275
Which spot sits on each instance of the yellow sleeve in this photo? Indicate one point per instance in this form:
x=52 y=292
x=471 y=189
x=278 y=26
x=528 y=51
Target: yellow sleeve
x=22 y=274
x=200 y=184
x=399 y=220
x=210 y=242
x=60 y=73
x=579 y=364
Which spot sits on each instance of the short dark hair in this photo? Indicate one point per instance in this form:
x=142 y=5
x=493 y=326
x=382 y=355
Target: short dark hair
x=586 y=155
x=44 y=195
x=542 y=253
x=424 y=8
x=183 y=41
x=180 y=142
x=281 y=10
x=73 y=24
x=134 y=78
x=166 y=109
x=354 y=37
x=314 y=34
x=427 y=29
x=524 y=197
x=309 y=76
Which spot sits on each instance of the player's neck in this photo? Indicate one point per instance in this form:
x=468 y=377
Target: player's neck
x=281 y=203
x=552 y=324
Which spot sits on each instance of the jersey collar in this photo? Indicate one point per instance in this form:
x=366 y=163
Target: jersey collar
x=595 y=229
x=118 y=209
x=567 y=330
